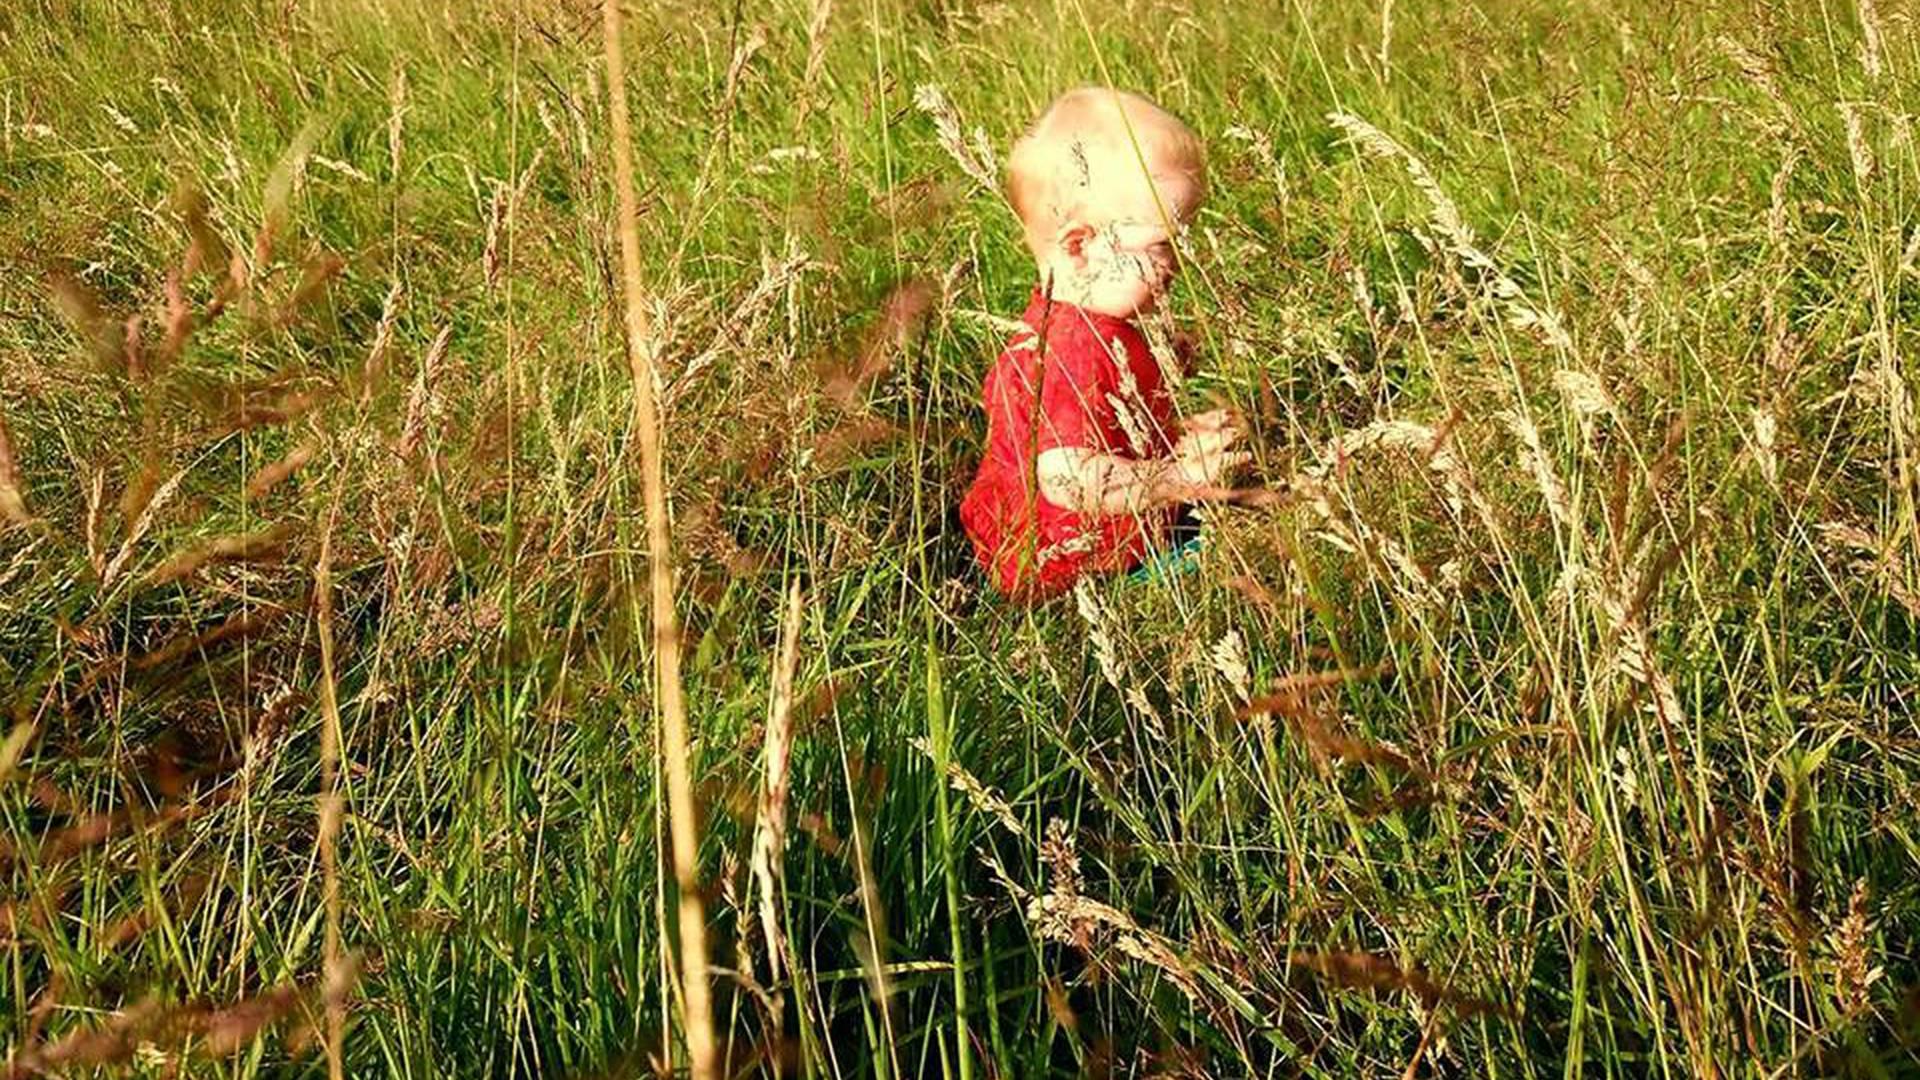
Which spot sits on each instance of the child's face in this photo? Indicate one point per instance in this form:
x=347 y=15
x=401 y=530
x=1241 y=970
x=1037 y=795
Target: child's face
x=1123 y=266
x=1126 y=267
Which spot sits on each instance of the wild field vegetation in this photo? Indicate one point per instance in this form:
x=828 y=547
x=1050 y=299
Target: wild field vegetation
x=1561 y=720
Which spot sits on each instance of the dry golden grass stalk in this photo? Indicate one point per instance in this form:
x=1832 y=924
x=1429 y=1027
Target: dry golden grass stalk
x=1106 y=653
x=1071 y=919
x=95 y=829
x=743 y=54
x=1320 y=732
x=1426 y=443
x=13 y=501
x=423 y=399
x=273 y=719
x=816 y=55
x=972 y=151
x=90 y=526
x=843 y=443
x=396 y=119
x=1535 y=461
x=1065 y=916
x=984 y=798
x=1872 y=559
x=1365 y=971
x=1350 y=532
x=330 y=801
x=642 y=354
x=273 y=474
x=374 y=372
x=1758 y=71
x=490 y=262
x=83 y=311
x=1585 y=394
x=148 y=507
x=1852 y=942
x=129 y=927
x=266 y=545
x=206 y=252
x=770 y=830
x=221 y=1030
x=1872 y=52
x=1061 y=853
x=1454 y=234
x=1859 y=146
x=1777 y=203
x=277 y=196
x=13 y=746
x=237 y=627
x=901 y=315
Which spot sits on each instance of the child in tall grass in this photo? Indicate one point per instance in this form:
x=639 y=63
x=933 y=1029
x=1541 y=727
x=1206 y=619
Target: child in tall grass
x=1086 y=465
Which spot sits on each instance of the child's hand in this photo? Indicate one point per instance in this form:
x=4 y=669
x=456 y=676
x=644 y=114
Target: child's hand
x=1204 y=454
x=1090 y=482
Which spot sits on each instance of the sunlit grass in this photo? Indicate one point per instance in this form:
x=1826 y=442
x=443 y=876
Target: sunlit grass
x=1559 y=722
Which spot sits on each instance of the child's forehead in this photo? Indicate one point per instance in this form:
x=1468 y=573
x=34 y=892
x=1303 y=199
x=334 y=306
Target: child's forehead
x=1103 y=156
x=1139 y=231
x=1129 y=200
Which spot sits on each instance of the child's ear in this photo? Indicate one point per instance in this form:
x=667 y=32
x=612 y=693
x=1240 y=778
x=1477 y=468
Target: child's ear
x=1073 y=241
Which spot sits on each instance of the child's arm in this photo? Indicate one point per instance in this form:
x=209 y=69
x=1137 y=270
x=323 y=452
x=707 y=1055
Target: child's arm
x=1090 y=482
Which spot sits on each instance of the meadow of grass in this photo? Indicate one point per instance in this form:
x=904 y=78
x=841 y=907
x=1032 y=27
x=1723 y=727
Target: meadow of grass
x=1560 y=721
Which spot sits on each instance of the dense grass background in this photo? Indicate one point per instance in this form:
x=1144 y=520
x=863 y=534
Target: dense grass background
x=1583 y=333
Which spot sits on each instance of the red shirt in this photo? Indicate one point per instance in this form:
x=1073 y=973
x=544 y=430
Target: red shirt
x=1099 y=388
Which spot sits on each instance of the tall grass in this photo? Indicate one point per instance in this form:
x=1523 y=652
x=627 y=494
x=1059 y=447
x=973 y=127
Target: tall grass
x=1559 y=720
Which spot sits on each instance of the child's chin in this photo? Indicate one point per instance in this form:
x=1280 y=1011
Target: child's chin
x=1125 y=307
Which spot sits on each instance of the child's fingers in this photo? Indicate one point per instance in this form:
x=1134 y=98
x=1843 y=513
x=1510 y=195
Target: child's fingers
x=1204 y=423
x=1239 y=496
x=1211 y=420
x=1214 y=460
x=1208 y=483
x=1225 y=462
x=1201 y=435
x=1208 y=442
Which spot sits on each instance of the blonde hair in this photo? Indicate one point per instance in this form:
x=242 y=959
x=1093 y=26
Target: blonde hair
x=1084 y=144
